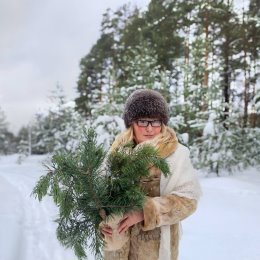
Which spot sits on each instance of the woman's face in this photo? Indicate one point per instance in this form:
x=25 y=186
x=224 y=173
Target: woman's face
x=144 y=132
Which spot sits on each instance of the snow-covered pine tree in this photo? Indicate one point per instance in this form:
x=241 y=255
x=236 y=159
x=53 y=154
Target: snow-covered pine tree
x=24 y=144
x=220 y=150
x=206 y=150
x=3 y=128
x=100 y=69
x=87 y=190
x=141 y=71
x=107 y=128
x=7 y=139
x=201 y=47
x=60 y=126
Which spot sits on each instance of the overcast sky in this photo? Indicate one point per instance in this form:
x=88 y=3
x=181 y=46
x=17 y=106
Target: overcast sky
x=41 y=45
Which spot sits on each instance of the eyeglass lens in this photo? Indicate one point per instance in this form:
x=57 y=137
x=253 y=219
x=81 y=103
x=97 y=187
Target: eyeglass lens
x=145 y=123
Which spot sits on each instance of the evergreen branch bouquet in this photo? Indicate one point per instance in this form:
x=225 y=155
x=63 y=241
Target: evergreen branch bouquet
x=89 y=184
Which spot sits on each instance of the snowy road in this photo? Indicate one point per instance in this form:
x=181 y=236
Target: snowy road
x=26 y=228
x=226 y=225
x=11 y=220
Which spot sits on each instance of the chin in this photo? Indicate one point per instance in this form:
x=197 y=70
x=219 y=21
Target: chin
x=148 y=138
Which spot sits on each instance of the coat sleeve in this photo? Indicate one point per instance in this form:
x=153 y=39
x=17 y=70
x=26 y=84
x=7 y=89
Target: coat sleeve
x=180 y=201
x=166 y=210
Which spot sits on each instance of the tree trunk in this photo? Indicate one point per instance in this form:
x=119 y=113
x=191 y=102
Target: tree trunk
x=227 y=71
x=226 y=86
x=246 y=75
x=206 y=73
x=186 y=76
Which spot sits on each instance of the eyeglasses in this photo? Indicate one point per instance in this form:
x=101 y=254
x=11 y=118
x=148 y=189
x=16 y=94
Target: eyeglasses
x=145 y=123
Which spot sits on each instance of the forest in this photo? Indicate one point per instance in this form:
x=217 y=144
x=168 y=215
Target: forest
x=203 y=56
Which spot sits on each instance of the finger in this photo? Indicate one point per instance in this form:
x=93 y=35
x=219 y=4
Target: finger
x=106 y=227
x=122 y=224
x=123 y=227
x=123 y=230
x=123 y=219
x=106 y=233
x=125 y=216
x=120 y=227
x=107 y=230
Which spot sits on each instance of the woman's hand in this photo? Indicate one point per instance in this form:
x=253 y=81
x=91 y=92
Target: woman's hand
x=129 y=220
x=106 y=230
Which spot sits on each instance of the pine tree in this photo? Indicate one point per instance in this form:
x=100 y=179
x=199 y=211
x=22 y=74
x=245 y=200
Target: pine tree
x=3 y=126
x=3 y=123
x=107 y=128
x=56 y=128
x=253 y=40
x=24 y=144
x=162 y=25
x=59 y=128
x=89 y=84
x=141 y=71
x=97 y=82
x=86 y=190
x=203 y=57
x=7 y=139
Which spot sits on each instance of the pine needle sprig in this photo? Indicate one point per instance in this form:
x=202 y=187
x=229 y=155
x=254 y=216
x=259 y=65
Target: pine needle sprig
x=89 y=181
x=125 y=169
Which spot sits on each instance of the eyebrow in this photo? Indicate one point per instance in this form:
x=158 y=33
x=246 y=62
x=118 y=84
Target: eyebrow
x=148 y=119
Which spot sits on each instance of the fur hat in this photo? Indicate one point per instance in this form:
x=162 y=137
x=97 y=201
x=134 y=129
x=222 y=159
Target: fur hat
x=145 y=103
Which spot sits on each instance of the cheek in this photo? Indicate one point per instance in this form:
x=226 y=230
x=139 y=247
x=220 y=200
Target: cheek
x=138 y=133
x=157 y=130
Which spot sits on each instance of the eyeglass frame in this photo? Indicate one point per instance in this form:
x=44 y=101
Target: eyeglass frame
x=149 y=122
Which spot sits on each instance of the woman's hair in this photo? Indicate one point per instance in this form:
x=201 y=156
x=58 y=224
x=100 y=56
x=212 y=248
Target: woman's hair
x=128 y=136
x=145 y=103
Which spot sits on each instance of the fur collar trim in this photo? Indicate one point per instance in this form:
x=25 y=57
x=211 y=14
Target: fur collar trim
x=165 y=143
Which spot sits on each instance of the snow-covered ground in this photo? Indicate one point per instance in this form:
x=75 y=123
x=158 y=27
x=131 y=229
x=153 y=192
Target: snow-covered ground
x=225 y=226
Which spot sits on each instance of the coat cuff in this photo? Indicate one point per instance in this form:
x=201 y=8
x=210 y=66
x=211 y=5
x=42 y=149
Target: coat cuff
x=150 y=215
x=166 y=210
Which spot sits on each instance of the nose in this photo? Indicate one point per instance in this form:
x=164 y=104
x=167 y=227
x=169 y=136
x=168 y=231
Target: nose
x=149 y=128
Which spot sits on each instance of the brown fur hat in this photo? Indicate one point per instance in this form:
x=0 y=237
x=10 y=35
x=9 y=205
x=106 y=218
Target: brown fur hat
x=145 y=103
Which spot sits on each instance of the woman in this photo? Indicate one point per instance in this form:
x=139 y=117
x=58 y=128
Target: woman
x=154 y=231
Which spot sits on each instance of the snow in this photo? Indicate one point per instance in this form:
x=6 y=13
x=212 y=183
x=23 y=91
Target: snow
x=225 y=226
x=106 y=127
x=185 y=138
x=209 y=128
x=27 y=230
